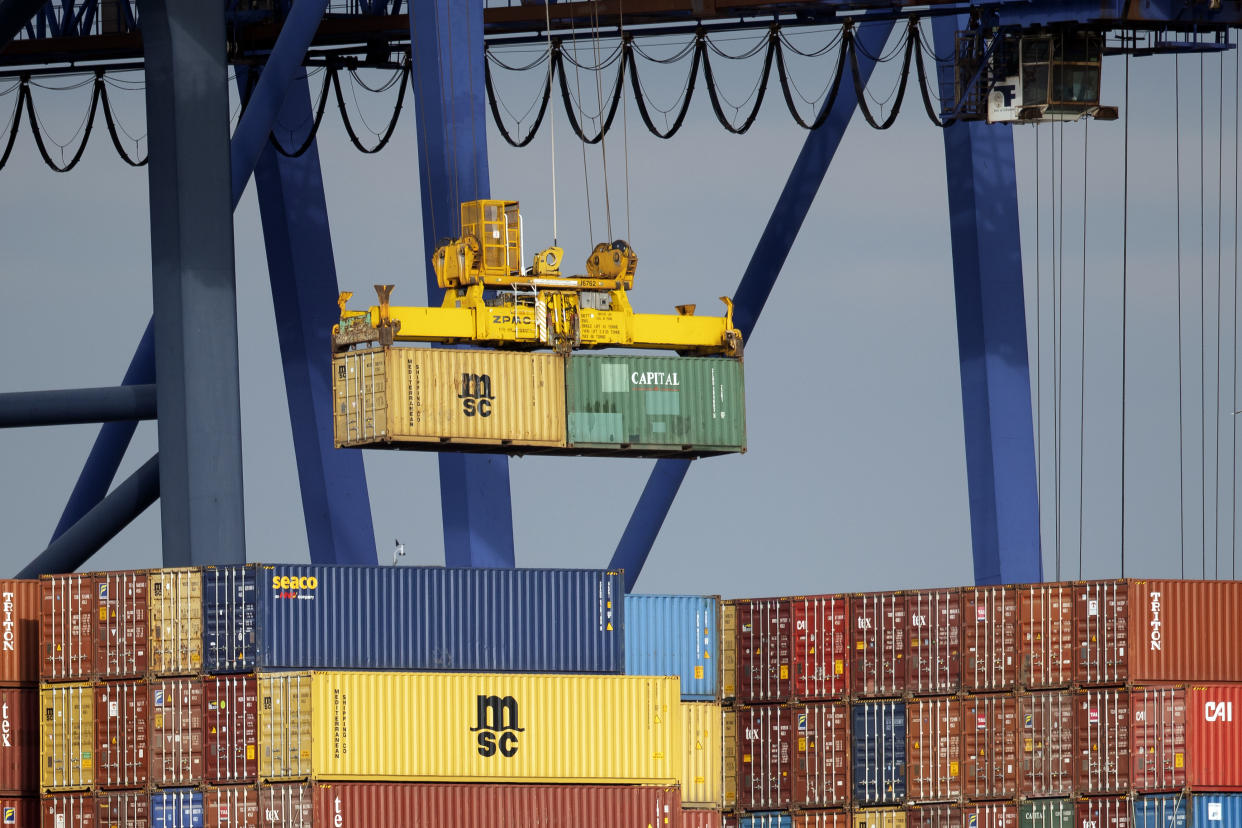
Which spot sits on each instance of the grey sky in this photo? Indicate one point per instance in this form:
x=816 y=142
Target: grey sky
x=855 y=475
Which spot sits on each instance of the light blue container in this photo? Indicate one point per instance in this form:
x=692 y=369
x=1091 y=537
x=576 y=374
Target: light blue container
x=675 y=635
x=768 y=820
x=177 y=808
x=1207 y=810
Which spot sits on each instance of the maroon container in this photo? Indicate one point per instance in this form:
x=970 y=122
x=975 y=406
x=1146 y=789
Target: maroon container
x=232 y=806
x=121 y=635
x=74 y=810
x=19 y=741
x=990 y=815
x=1158 y=739
x=764 y=650
x=291 y=805
x=1046 y=636
x=934 y=654
x=19 y=633
x=1102 y=741
x=880 y=625
x=123 y=809
x=67 y=627
x=1101 y=632
x=765 y=763
x=1103 y=812
x=373 y=805
x=821 y=646
x=20 y=811
x=1214 y=712
x=821 y=819
x=231 y=716
x=933 y=750
x=121 y=734
x=1046 y=744
x=1185 y=631
x=990 y=747
x=990 y=638
x=935 y=816
x=701 y=819
x=176 y=732
x=821 y=758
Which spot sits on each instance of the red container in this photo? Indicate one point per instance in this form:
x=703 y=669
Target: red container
x=990 y=638
x=934 y=816
x=990 y=815
x=821 y=646
x=1046 y=744
x=1214 y=714
x=701 y=819
x=19 y=741
x=21 y=811
x=123 y=809
x=764 y=650
x=821 y=760
x=1046 y=636
x=121 y=735
x=93 y=625
x=990 y=747
x=176 y=732
x=1102 y=741
x=765 y=763
x=1101 y=632
x=75 y=810
x=1103 y=812
x=292 y=806
x=1186 y=631
x=372 y=805
x=231 y=717
x=121 y=635
x=1158 y=739
x=934 y=654
x=19 y=633
x=820 y=819
x=878 y=666
x=933 y=750
x=233 y=806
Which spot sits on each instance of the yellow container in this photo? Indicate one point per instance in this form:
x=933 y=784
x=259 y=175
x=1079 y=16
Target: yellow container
x=438 y=396
x=431 y=727
x=702 y=776
x=66 y=737
x=175 y=610
x=879 y=818
x=728 y=650
x=728 y=761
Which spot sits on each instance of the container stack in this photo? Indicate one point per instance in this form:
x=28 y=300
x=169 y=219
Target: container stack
x=1089 y=704
x=19 y=700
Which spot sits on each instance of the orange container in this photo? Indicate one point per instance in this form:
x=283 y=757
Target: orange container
x=1214 y=723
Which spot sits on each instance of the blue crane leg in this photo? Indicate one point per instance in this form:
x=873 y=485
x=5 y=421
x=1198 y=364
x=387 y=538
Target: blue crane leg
x=14 y=15
x=756 y=285
x=300 y=264
x=992 y=348
x=447 y=45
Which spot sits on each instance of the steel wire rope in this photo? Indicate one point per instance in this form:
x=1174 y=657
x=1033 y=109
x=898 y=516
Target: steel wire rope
x=84 y=129
x=687 y=96
x=625 y=127
x=757 y=92
x=383 y=137
x=760 y=45
x=1202 y=340
x=1058 y=344
x=397 y=74
x=1220 y=194
x=921 y=71
x=447 y=94
x=1082 y=364
x=547 y=15
x=900 y=91
x=599 y=95
x=425 y=155
x=317 y=120
x=676 y=57
x=829 y=99
x=928 y=50
x=1237 y=157
x=1039 y=367
x=903 y=75
x=586 y=176
x=490 y=54
x=14 y=123
x=1125 y=272
x=70 y=87
x=481 y=185
x=814 y=102
x=1181 y=394
x=571 y=103
x=492 y=100
x=112 y=124
x=787 y=42
x=541 y=99
x=884 y=57
x=600 y=63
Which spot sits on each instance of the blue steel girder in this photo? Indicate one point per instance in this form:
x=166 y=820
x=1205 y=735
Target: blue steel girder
x=447 y=51
x=756 y=284
x=992 y=345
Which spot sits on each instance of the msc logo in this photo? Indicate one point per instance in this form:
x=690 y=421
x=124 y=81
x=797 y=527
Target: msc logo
x=1217 y=711
x=497 y=726
x=476 y=395
x=294 y=582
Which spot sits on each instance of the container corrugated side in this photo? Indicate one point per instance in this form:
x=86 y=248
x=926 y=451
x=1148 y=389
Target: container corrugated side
x=1214 y=731
x=1102 y=646
x=1046 y=636
x=123 y=809
x=821 y=646
x=67 y=619
x=879 y=818
x=1046 y=744
x=1185 y=631
x=429 y=397
x=122 y=744
x=177 y=735
x=231 y=719
x=413 y=618
x=764 y=650
x=934 y=750
x=19 y=741
x=772 y=820
x=990 y=815
x=175 y=598
x=655 y=404
x=1046 y=813
x=20 y=601
x=367 y=805
x=1215 y=809
x=675 y=635
x=702 y=775
x=764 y=759
x=454 y=726
x=990 y=747
x=821 y=819
x=1161 y=811
x=180 y=808
x=1102 y=741
x=944 y=815
x=66 y=737
x=121 y=638
x=68 y=810
x=236 y=806
x=20 y=811
x=287 y=806
x=728 y=650
x=881 y=636
x=878 y=737
x=989 y=638
x=1103 y=812
x=821 y=755
x=1158 y=732
x=934 y=652
x=696 y=818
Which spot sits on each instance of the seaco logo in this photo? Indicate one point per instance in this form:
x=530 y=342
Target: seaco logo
x=295 y=586
x=476 y=395
x=1218 y=711
x=497 y=726
x=8 y=628
x=1155 y=624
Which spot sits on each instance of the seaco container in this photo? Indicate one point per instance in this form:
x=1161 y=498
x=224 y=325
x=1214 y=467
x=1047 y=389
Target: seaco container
x=429 y=398
x=653 y=405
x=180 y=808
x=878 y=738
x=675 y=635
x=989 y=638
x=123 y=809
x=1102 y=741
x=177 y=732
x=1046 y=636
x=764 y=757
x=990 y=747
x=702 y=775
x=1046 y=813
x=20 y=602
x=66 y=737
x=122 y=735
x=1103 y=812
x=232 y=806
x=764 y=650
x=821 y=646
x=413 y=618
x=19 y=741
x=1158 y=731
x=821 y=755
x=93 y=625
x=366 y=805
x=880 y=625
x=342 y=726
x=1046 y=744
x=231 y=725
x=1214 y=730
x=934 y=750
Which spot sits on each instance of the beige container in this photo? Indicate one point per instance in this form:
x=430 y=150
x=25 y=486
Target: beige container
x=879 y=818
x=728 y=650
x=434 y=395
x=175 y=607
x=728 y=759
x=66 y=737
x=471 y=727
x=702 y=776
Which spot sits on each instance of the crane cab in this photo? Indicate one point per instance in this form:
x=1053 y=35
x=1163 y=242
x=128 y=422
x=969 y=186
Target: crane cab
x=1049 y=76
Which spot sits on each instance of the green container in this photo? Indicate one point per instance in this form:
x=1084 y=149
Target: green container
x=645 y=405
x=1046 y=813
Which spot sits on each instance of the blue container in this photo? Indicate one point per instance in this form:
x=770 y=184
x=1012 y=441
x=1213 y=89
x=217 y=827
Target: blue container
x=264 y=617
x=878 y=736
x=773 y=819
x=675 y=635
x=1207 y=810
x=177 y=808
x=1216 y=810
